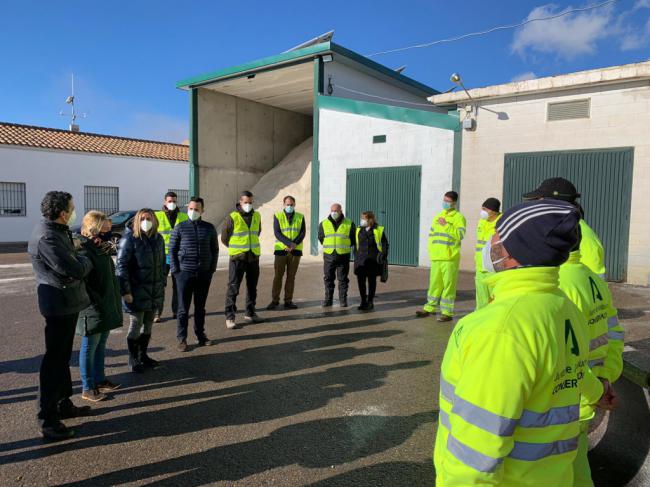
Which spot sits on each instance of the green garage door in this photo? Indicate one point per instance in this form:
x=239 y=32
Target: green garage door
x=393 y=194
x=603 y=176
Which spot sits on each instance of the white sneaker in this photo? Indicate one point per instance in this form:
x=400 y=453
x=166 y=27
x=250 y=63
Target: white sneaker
x=230 y=324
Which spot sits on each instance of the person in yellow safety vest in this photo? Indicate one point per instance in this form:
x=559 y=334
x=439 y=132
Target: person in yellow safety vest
x=289 y=229
x=490 y=214
x=591 y=248
x=592 y=297
x=371 y=250
x=513 y=372
x=168 y=218
x=447 y=230
x=336 y=235
x=241 y=234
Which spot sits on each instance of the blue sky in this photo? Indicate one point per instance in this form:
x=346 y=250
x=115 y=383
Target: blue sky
x=128 y=55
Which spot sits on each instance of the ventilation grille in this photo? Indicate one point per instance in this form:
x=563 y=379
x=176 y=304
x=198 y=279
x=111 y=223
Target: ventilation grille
x=568 y=110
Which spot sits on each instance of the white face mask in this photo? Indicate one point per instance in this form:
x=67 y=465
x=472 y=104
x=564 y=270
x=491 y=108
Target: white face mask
x=484 y=215
x=146 y=225
x=193 y=215
x=73 y=218
x=247 y=207
x=171 y=206
x=486 y=255
x=288 y=209
x=363 y=222
x=335 y=215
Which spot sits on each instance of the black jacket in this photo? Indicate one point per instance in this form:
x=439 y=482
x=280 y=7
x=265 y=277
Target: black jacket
x=228 y=229
x=105 y=310
x=336 y=223
x=59 y=270
x=193 y=248
x=366 y=248
x=141 y=271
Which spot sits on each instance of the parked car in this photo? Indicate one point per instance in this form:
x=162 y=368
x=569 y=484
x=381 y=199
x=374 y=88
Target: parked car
x=120 y=219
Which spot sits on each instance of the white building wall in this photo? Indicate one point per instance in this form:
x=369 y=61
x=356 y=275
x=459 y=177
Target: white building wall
x=142 y=182
x=345 y=142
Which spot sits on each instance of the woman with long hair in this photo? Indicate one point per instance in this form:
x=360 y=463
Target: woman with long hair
x=371 y=249
x=141 y=273
x=104 y=312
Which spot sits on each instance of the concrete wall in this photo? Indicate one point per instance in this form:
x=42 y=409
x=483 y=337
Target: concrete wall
x=239 y=141
x=345 y=142
x=620 y=117
x=346 y=76
x=142 y=182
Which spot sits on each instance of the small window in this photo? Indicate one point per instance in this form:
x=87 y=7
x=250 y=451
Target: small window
x=12 y=199
x=183 y=196
x=378 y=139
x=568 y=110
x=102 y=198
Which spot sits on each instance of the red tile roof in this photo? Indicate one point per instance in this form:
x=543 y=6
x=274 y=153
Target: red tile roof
x=47 y=138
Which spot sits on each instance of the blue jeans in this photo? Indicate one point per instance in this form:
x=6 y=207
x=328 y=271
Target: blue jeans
x=91 y=360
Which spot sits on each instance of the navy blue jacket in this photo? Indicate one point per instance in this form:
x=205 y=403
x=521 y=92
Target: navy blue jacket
x=193 y=248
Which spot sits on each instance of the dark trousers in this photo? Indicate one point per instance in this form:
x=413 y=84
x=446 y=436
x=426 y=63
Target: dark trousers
x=336 y=267
x=174 y=292
x=367 y=273
x=284 y=263
x=236 y=272
x=55 y=381
x=197 y=286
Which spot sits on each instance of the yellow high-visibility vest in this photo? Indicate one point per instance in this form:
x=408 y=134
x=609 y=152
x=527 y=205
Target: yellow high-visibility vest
x=337 y=239
x=484 y=231
x=289 y=230
x=244 y=238
x=164 y=227
x=591 y=250
x=378 y=231
x=444 y=240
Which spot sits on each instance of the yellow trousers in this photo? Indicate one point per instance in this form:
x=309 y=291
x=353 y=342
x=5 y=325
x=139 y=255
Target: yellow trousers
x=482 y=291
x=581 y=469
x=442 y=286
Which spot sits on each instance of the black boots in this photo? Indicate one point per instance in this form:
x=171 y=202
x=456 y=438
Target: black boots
x=145 y=360
x=134 y=355
x=343 y=301
x=327 y=302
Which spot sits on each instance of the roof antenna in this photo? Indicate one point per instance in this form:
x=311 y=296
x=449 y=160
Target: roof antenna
x=73 y=114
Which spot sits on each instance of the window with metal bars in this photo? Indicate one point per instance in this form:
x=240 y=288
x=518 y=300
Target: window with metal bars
x=12 y=199
x=102 y=198
x=183 y=196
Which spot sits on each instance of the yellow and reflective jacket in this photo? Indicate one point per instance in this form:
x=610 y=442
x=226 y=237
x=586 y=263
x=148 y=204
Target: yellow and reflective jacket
x=484 y=231
x=289 y=230
x=378 y=232
x=444 y=240
x=337 y=239
x=510 y=386
x=244 y=239
x=592 y=297
x=591 y=250
x=164 y=227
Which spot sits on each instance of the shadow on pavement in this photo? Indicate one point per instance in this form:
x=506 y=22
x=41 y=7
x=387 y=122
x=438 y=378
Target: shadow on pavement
x=394 y=474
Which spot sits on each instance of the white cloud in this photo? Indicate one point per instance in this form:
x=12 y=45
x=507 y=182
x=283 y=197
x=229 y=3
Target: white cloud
x=636 y=40
x=641 y=4
x=528 y=75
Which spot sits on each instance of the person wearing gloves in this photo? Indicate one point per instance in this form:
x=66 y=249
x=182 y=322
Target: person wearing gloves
x=446 y=233
x=168 y=218
x=241 y=234
x=371 y=248
x=141 y=274
x=490 y=214
x=289 y=229
x=59 y=271
x=193 y=254
x=105 y=311
x=513 y=372
x=592 y=297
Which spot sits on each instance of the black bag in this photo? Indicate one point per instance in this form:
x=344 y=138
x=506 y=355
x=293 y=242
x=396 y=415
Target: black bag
x=383 y=264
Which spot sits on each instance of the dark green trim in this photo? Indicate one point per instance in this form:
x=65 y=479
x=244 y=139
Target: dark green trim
x=315 y=164
x=389 y=112
x=194 y=142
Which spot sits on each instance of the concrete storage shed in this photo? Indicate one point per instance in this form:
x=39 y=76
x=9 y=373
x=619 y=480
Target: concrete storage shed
x=376 y=144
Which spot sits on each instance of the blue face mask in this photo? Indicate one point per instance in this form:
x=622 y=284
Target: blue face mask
x=446 y=205
x=288 y=209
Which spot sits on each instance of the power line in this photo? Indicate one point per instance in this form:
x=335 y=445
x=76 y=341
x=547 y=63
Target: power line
x=494 y=29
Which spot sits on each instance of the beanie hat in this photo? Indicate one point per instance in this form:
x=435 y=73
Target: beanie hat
x=492 y=204
x=539 y=233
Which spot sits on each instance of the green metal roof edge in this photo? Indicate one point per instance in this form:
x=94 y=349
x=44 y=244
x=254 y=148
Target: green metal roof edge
x=389 y=112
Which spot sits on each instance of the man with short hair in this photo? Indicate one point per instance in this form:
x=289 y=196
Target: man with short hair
x=193 y=254
x=289 y=230
x=446 y=233
x=490 y=214
x=241 y=234
x=168 y=218
x=513 y=372
x=337 y=236
x=61 y=291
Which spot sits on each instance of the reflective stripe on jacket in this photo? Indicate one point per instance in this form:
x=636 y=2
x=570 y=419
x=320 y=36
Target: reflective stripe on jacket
x=592 y=297
x=244 y=239
x=591 y=250
x=337 y=239
x=378 y=231
x=484 y=231
x=444 y=240
x=289 y=230
x=510 y=386
x=164 y=227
